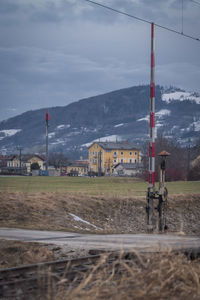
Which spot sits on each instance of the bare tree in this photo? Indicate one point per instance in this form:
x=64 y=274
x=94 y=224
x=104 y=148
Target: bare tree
x=176 y=163
x=58 y=159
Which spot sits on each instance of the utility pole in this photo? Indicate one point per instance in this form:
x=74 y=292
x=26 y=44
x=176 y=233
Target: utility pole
x=20 y=159
x=188 y=159
x=99 y=164
x=47 y=135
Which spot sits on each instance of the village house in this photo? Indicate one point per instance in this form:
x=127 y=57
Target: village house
x=29 y=160
x=127 y=169
x=14 y=162
x=104 y=156
x=3 y=163
x=78 y=168
x=3 y=160
x=17 y=165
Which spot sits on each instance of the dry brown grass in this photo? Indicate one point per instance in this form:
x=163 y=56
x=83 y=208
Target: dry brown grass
x=14 y=253
x=160 y=276
x=51 y=211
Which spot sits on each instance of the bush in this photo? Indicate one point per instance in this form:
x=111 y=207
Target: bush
x=35 y=166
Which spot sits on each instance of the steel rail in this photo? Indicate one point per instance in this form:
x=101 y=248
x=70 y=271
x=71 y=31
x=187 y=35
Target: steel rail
x=29 y=278
x=39 y=278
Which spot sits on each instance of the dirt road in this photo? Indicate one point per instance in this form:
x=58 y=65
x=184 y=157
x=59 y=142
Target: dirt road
x=76 y=242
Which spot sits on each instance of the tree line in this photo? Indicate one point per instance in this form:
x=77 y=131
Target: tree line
x=182 y=164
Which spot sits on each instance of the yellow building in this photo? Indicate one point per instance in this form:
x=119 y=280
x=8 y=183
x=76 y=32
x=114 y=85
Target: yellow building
x=78 y=168
x=103 y=156
x=25 y=162
x=31 y=159
x=14 y=162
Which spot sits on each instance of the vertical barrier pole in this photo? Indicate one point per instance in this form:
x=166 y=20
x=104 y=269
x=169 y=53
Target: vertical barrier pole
x=47 y=142
x=151 y=187
x=152 y=116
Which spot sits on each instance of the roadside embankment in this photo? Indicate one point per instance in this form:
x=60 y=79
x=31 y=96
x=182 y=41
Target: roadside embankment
x=102 y=214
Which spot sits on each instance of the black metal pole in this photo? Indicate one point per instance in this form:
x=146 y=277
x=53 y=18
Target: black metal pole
x=99 y=164
x=47 y=135
x=20 y=159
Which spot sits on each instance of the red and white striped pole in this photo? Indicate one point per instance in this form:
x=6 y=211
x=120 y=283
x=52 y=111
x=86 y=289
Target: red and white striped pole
x=47 y=135
x=152 y=116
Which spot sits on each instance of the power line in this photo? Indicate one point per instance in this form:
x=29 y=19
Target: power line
x=142 y=20
x=182 y=16
x=195 y=2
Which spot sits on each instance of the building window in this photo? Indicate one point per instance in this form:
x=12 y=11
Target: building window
x=135 y=153
x=130 y=160
x=135 y=161
x=115 y=153
x=131 y=153
x=121 y=160
x=122 y=153
x=114 y=161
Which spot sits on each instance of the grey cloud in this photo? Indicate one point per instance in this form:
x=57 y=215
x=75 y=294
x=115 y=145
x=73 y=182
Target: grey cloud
x=178 y=73
x=55 y=52
x=8 y=7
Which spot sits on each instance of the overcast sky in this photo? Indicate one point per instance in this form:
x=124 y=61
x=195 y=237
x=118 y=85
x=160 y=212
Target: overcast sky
x=53 y=52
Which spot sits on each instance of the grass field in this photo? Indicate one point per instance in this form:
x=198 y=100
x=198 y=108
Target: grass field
x=109 y=204
x=105 y=205
x=106 y=186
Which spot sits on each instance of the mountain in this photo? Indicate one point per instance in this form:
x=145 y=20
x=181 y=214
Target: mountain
x=118 y=115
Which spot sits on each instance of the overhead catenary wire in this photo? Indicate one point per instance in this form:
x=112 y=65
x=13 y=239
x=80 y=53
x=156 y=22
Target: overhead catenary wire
x=142 y=19
x=195 y=2
x=182 y=16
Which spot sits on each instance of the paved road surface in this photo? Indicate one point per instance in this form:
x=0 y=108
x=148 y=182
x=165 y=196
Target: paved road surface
x=139 y=242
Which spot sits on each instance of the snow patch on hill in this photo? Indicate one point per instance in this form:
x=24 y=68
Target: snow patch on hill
x=51 y=135
x=119 y=125
x=8 y=133
x=159 y=115
x=163 y=112
x=181 y=96
x=62 y=126
x=195 y=126
x=109 y=138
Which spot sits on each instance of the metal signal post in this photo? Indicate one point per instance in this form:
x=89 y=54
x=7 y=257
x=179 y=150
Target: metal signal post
x=47 y=142
x=156 y=200
x=163 y=192
x=151 y=177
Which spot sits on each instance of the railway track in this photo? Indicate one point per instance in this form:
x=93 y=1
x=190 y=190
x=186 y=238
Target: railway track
x=32 y=281
x=40 y=281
